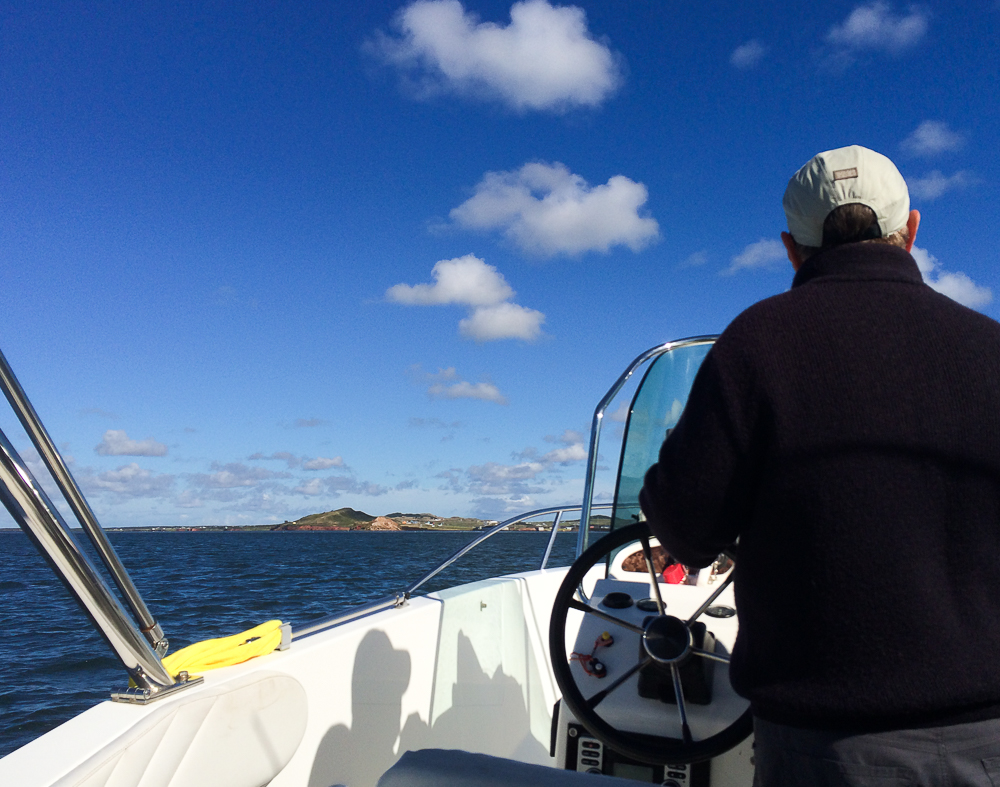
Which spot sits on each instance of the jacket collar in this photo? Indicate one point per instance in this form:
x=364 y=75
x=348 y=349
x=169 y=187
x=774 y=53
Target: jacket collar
x=860 y=262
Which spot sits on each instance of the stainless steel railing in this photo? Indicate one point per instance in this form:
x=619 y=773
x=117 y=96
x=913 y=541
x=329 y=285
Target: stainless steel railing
x=558 y=511
x=139 y=646
x=399 y=599
x=74 y=497
x=34 y=512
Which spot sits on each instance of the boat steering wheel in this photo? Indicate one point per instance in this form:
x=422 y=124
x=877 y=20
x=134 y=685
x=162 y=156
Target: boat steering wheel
x=666 y=640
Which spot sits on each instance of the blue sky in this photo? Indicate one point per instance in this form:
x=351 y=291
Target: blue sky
x=260 y=260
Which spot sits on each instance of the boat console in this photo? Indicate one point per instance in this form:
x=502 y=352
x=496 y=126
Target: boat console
x=641 y=653
x=643 y=669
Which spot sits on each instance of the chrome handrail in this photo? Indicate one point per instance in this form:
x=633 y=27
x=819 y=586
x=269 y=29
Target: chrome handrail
x=552 y=540
x=595 y=429
x=399 y=599
x=34 y=512
x=389 y=602
x=557 y=510
x=81 y=509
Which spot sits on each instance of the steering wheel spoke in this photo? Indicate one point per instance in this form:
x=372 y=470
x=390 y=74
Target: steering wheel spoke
x=681 y=706
x=579 y=605
x=711 y=599
x=648 y=555
x=598 y=698
x=706 y=654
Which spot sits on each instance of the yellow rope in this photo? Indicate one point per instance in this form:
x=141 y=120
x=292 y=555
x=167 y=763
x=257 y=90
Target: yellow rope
x=225 y=651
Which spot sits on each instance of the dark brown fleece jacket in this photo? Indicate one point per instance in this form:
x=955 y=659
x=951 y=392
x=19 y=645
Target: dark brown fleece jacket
x=848 y=432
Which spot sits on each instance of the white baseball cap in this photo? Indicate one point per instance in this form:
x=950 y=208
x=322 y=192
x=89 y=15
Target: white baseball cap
x=840 y=177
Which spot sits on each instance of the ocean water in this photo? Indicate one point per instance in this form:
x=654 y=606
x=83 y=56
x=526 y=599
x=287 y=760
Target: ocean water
x=203 y=585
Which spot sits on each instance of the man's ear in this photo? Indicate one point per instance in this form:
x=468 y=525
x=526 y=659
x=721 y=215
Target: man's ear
x=793 y=252
x=911 y=225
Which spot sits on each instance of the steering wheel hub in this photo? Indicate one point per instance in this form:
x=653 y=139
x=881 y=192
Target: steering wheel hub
x=667 y=639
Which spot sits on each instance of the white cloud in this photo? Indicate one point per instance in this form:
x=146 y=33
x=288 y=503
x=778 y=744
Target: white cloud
x=311 y=487
x=470 y=281
x=334 y=486
x=439 y=375
x=573 y=450
x=235 y=475
x=497 y=479
x=674 y=413
x=747 y=55
x=568 y=437
x=695 y=260
x=503 y=321
x=764 y=254
x=932 y=137
x=322 y=463
x=283 y=456
x=435 y=423
x=486 y=392
x=189 y=499
x=546 y=209
x=545 y=59
x=957 y=286
x=491 y=471
x=564 y=456
x=621 y=414
x=496 y=508
x=936 y=183
x=293 y=461
x=338 y=484
x=131 y=481
x=529 y=475
x=117 y=443
x=876 y=27
x=467 y=280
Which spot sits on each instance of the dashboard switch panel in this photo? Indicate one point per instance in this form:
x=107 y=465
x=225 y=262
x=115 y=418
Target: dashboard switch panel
x=586 y=754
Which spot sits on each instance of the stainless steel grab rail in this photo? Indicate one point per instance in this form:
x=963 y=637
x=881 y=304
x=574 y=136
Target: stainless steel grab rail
x=81 y=509
x=34 y=512
x=400 y=599
x=395 y=600
x=557 y=510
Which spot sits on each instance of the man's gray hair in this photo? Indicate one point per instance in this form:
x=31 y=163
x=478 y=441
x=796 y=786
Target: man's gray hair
x=852 y=223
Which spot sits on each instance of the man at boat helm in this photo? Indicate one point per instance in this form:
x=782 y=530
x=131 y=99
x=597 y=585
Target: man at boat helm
x=847 y=432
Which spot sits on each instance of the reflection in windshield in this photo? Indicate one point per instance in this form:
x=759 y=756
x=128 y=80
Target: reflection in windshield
x=657 y=407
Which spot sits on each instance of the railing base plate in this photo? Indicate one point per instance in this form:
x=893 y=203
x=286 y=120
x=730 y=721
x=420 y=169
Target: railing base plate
x=137 y=696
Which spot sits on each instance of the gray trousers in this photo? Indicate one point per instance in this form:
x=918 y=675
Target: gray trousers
x=960 y=754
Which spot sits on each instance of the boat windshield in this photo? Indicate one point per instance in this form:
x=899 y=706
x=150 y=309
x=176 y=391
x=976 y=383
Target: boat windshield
x=655 y=408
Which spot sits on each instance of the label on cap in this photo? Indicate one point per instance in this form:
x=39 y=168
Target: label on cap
x=845 y=174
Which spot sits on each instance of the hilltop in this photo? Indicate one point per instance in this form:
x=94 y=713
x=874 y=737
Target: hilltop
x=341 y=519
x=351 y=519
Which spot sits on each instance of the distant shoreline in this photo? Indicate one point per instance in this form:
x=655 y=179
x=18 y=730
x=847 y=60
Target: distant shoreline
x=272 y=529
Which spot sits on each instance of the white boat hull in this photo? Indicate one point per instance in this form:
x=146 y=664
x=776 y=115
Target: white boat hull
x=466 y=668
